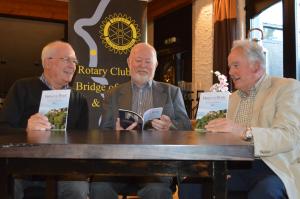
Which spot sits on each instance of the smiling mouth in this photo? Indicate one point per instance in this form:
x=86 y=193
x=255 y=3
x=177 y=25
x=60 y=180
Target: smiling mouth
x=235 y=78
x=69 y=72
x=142 y=72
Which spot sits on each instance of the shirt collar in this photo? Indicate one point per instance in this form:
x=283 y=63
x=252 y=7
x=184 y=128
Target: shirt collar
x=147 y=85
x=254 y=89
x=43 y=79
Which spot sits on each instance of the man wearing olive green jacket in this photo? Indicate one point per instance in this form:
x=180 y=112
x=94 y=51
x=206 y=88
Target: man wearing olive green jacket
x=265 y=111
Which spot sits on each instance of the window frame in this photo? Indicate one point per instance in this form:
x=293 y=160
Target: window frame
x=254 y=7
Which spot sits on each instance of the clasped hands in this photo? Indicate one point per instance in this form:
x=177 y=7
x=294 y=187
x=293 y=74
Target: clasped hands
x=162 y=124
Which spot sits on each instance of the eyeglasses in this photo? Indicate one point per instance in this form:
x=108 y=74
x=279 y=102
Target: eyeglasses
x=66 y=60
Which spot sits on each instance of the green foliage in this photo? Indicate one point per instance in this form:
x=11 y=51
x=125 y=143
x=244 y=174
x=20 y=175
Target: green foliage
x=200 y=123
x=57 y=118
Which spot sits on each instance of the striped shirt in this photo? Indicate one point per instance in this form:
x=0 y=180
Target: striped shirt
x=245 y=109
x=142 y=98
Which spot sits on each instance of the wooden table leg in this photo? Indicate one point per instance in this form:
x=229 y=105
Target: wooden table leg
x=51 y=187
x=219 y=177
x=4 y=180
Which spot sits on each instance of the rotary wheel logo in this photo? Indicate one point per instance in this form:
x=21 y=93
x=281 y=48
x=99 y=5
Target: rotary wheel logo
x=119 y=33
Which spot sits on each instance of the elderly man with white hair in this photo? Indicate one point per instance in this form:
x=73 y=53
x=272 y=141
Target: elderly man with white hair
x=265 y=111
x=21 y=107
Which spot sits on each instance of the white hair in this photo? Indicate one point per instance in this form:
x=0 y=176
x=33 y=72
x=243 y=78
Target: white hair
x=144 y=44
x=48 y=49
x=252 y=50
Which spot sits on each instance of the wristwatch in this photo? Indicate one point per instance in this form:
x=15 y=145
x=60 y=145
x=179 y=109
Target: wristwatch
x=247 y=134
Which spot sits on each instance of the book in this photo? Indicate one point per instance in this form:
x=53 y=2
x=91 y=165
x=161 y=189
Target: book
x=212 y=105
x=127 y=117
x=54 y=105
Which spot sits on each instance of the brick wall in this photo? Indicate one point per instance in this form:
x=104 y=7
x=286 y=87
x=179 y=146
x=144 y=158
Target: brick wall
x=202 y=58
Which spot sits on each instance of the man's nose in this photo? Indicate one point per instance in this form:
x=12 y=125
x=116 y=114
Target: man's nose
x=231 y=71
x=144 y=64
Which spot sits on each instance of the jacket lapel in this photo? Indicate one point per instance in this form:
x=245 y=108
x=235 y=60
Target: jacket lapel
x=263 y=91
x=158 y=95
x=234 y=103
x=125 y=96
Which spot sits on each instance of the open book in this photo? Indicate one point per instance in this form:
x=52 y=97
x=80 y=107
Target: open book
x=127 y=117
x=54 y=104
x=212 y=105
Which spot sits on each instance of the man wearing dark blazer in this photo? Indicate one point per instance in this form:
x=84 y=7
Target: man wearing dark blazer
x=21 y=107
x=138 y=95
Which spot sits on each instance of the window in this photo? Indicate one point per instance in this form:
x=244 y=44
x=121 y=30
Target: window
x=270 y=22
x=280 y=22
x=298 y=38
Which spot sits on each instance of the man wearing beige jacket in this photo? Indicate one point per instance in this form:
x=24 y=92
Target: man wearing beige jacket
x=265 y=111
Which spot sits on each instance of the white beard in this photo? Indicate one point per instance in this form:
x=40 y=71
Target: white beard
x=141 y=79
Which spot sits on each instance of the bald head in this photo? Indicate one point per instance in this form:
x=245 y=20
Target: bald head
x=59 y=63
x=50 y=49
x=141 y=46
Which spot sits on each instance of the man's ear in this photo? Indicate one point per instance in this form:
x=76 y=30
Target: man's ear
x=156 y=64
x=256 y=66
x=128 y=62
x=45 y=63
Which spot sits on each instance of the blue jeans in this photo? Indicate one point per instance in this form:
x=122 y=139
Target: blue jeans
x=260 y=182
x=66 y=189
x=190 y=191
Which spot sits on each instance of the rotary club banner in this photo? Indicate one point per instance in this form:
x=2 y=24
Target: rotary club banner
x=102 y=33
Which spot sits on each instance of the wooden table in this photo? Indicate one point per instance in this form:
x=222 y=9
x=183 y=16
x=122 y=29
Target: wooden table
x=112 y=153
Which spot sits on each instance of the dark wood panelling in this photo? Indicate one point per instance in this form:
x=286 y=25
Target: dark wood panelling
x=58 y=10
x=175 y=25
x=21 y=43
x=158 y=8
x=45 y=9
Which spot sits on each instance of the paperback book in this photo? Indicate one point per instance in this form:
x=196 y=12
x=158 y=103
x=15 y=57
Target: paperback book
x=127 y=117
x=54 y=105
x=212 y=105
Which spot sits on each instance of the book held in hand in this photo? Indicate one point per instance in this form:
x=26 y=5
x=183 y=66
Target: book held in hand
x=54 y=105
x=212 y=105
x=127 y=117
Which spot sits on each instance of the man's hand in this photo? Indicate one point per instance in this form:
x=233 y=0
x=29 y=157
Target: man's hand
x=224 y=125
x=38 y=136
x=38 y=122
x=119 y=127
x=162 y=124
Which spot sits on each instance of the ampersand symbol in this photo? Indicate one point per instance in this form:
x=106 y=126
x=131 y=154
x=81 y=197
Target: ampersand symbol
x=96 y=103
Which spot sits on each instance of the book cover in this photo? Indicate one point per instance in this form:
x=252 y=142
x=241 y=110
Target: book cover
x=212 y=105
x=127 y=117
x=54 y=105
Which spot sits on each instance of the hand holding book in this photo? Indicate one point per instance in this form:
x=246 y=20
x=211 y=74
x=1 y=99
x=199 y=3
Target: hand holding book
x=128 y=118
x=131 y=126
x=212 y=105
x=54 y=105
x=162 y=124
x=38 y=122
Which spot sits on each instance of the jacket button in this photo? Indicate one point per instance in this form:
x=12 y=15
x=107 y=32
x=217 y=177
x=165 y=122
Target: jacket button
x=264 y=151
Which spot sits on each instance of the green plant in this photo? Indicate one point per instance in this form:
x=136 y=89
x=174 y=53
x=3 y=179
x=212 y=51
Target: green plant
x=200 y=123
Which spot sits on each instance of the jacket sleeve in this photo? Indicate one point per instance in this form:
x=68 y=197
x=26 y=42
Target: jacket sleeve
x=84 y=114
x=280 y=131
x=107 y=116
x=180 y=120
x=10 y=114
